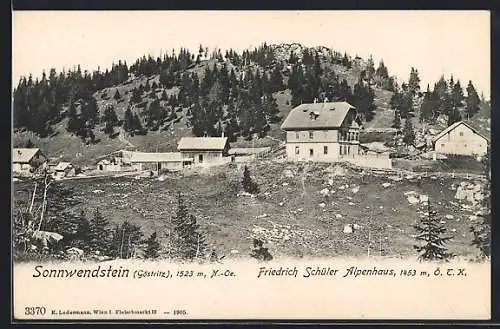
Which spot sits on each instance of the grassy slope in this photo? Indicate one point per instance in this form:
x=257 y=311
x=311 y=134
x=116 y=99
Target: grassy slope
x=383 y=213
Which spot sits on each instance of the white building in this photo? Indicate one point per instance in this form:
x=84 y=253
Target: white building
x=204 y=150
x=461 y=139
x=321 y=131
x=26 y=160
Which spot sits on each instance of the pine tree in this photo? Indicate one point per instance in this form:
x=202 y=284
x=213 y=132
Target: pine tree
x=370 y=69
x=431 y=233
x=248 y=184
x=99 y=235
x=128 y=122
x=136 y=96
x=429 y=107
x=152 y=247
x=125 y=240
x=187 y=242
x=472 y=100
x=408 y=133
x=414 y=82
x=457 y=95
x=396 y=123
x=164 y=96
x=74 y=123
x=117 y=95
x=454 y=116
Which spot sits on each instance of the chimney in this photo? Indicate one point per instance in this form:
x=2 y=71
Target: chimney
x=222 y=134
x=315 y=100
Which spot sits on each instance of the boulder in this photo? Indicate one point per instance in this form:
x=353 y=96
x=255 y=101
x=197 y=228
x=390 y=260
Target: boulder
x=449 y=216
x=424 y=198
x=322 y=205
x=74 y=252
x=386 y=184
x=338 y=216
x=325 y=192
x=413 y=200
x=47 y=239
x=348 y=229
x=355 y=189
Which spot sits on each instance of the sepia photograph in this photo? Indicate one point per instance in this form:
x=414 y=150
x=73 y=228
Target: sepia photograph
x=240 y=164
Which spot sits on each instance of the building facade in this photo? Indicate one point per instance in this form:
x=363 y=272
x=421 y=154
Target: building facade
x=326 y=131
x=26 y=160
x=461 y=139
x=204 y=150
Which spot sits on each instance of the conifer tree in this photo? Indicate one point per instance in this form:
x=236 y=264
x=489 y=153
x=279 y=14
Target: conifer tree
x=117 y=95
x=408 y=133
x=431 y=235
x=74 y=123
x=454 y=116
x=99 y=232
x=414 y=82
x=164 y=96
x=370 y=69
x=128 y=122
x=472 y=100
x=248 y=184
x=152 y=246
x=187 y=241
x=126 y=238
x=110 y=120
x=397 y=121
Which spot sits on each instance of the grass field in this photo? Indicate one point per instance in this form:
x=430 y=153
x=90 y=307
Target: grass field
x=289 y=204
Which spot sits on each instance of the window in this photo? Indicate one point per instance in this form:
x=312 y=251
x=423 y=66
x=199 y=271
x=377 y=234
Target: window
x=297 y=151
x=442 y=145
x=297 y=135
x=311 y=134
x=461 y=134
x=200 y=158
x=311 y=152
x=325 y=149
x=348 y=149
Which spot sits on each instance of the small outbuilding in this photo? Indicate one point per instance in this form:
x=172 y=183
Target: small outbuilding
x=26 y=160
x=204 y=150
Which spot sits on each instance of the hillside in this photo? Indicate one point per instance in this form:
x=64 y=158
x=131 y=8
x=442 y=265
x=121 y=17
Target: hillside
x=68 y=146
x=292 y=214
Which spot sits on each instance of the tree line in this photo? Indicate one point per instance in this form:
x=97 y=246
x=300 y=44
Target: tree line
x=446 y=98
x=233 y=95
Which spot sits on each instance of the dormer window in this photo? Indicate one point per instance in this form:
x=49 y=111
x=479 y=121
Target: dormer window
x=311 y=134
x=297 y=135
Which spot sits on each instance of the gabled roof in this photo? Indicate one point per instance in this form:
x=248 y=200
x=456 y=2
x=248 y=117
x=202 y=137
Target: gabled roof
x=23 y=155
x=136 y=157
x=202 y=143
x=62 y=166
x=317 y=115
x=455 y=125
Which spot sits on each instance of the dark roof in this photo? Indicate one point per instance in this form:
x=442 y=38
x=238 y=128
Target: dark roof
x=317 y=115
x=455 y=125
x=202 y=143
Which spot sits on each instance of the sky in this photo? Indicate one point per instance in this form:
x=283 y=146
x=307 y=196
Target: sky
x=434 y=42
